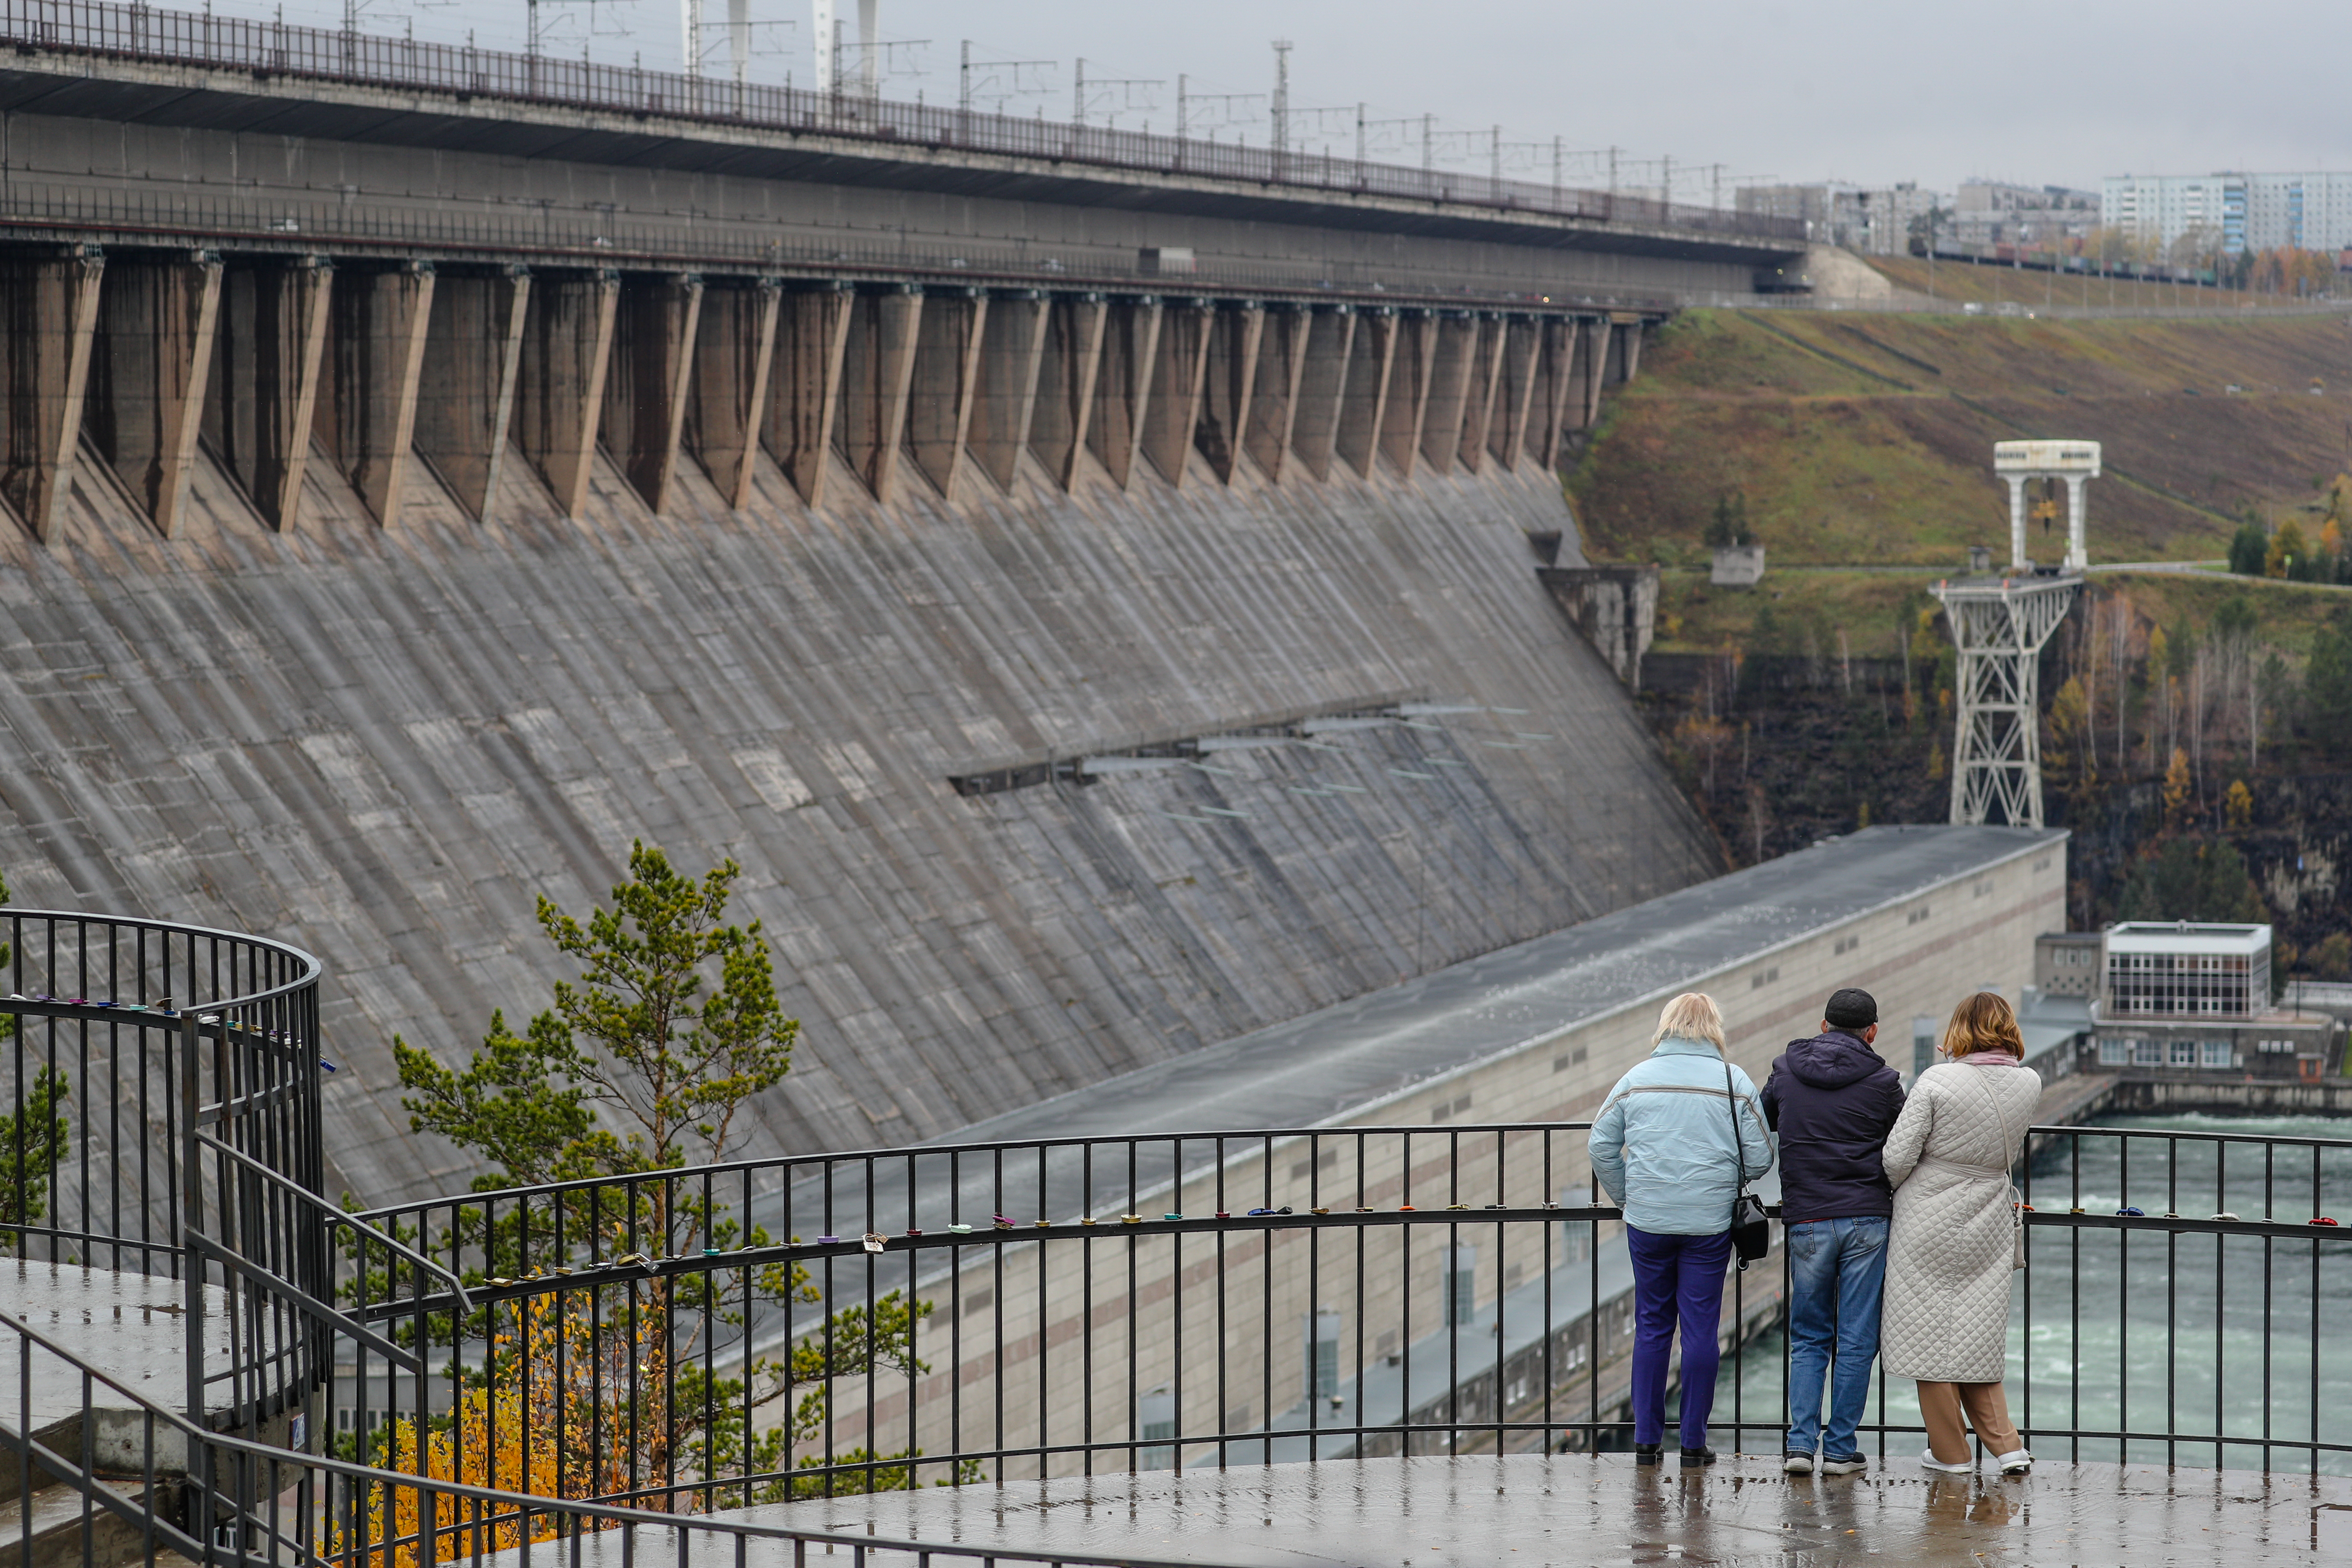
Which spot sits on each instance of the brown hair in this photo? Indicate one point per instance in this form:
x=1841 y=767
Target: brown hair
x=1982 y=1023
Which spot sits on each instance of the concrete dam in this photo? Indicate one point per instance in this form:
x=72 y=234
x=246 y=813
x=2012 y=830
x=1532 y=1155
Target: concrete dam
x=1086 y=663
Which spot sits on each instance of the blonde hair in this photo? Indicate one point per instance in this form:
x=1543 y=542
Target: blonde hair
x=1693 y=1015
x=1982 y=1023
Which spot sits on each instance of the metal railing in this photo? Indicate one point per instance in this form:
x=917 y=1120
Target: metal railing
x=482 y=1371
x=1223 y=1298
x=260 y=220
x=99 y=28
x=146 y=1485
x=2198 y=1274
x=163 y=1120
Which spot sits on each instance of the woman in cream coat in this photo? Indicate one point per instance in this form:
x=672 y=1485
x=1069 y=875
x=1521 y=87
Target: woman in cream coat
x=1952 y=1245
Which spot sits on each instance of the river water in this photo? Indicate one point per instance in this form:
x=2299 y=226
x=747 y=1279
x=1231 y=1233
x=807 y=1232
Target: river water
x=2240 y=1338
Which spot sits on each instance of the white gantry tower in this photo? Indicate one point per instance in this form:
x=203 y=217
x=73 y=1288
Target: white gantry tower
x=2073 y=463
x=2000 y=624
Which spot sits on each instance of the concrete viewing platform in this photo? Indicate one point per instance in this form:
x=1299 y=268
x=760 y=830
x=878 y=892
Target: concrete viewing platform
x=1581 y=1509
x=132 y=1325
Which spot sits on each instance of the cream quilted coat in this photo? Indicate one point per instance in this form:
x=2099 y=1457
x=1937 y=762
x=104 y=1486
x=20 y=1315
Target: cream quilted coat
x=1948 y=1253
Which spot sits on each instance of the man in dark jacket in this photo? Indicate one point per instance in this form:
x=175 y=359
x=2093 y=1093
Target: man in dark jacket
x=1833 y=1099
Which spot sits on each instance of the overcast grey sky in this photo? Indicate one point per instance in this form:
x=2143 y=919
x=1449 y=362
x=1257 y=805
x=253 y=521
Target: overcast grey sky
x=2057 y=92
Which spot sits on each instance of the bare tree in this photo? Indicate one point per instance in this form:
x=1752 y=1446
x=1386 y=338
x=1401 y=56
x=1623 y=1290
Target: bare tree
x=2120 y=631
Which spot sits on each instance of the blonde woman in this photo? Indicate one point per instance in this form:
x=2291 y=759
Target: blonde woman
x=1667 y=1148
x=1954 y=1241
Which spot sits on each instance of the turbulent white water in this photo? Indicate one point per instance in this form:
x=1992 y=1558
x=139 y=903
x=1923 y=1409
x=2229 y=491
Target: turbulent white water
x=2155 y=1332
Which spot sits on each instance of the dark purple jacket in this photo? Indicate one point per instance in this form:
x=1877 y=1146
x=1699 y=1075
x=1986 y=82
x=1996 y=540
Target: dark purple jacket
x=1832 y=1100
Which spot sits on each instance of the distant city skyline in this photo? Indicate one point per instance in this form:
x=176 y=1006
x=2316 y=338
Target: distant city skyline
x=1829 y=89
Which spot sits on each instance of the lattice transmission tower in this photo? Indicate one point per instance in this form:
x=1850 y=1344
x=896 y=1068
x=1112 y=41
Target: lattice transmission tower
x=1999 y=625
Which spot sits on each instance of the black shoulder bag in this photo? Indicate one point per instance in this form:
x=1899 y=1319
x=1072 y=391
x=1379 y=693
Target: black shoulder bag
x=1751 y=1232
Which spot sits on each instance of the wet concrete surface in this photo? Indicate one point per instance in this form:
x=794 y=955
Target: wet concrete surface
x=1576 y=1508
x=132 y=1326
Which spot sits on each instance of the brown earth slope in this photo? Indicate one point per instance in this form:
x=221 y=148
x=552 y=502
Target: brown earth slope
x=1866 y=439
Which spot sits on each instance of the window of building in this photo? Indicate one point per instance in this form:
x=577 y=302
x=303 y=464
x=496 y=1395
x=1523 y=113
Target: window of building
x=2184 y=1053
x=2166 y=984
x=1322 y=1355
x=2115 y=1053
x=1461 y=1286
x=1156 y=1419
x=2217 y=1054
x=2147 y=1053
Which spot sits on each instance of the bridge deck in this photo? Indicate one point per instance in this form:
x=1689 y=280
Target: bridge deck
x=1595 y=1508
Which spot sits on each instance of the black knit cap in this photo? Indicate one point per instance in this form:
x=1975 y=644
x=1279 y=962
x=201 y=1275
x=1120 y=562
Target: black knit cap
x=1851 y=1009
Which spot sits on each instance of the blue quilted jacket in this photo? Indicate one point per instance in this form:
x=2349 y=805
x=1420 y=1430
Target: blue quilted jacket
x=1663 y=1145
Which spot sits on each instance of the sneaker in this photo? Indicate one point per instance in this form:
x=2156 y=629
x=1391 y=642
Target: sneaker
x=1648 y=1453
x=2017 y=1464
x=1844 y=1465
x=1963 y=1468
x=1798 y=1464
x=1698 y=1456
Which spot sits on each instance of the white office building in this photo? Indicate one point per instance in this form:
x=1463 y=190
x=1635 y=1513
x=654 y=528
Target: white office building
x=2242 y=211
x=2184 y=995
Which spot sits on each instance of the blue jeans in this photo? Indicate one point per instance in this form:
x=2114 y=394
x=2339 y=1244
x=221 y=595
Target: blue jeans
x=1838 y=1268
x=1676 y=1277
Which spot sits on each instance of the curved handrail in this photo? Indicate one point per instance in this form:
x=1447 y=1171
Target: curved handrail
x=310 y=970
x=276 y=1462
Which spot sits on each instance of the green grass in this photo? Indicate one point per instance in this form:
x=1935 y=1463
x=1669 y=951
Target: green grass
x=1866 y=439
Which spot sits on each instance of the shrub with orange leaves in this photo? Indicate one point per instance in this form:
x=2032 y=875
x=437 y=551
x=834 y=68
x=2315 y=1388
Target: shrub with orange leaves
x=542 y=1418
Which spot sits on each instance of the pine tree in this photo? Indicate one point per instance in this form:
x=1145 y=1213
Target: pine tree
x=641 y=1066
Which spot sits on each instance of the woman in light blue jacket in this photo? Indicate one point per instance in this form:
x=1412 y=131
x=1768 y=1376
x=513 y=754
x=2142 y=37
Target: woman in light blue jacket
x=1668 y=1147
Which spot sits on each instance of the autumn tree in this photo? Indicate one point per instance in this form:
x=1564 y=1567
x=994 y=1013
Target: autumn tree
x=2288 y=556
x=2236 y=805
x=2176 y=790
x=2071 y=750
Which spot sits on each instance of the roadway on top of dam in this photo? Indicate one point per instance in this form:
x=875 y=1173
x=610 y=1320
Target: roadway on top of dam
x=310 y=126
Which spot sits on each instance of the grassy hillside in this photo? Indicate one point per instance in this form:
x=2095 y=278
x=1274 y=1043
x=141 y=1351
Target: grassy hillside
x=1866 y=439
x=1861 y=443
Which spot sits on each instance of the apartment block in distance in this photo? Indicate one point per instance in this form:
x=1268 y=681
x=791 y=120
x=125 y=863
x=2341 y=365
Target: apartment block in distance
x=1874 y=222
x=2246 y=212
x=1987 y=212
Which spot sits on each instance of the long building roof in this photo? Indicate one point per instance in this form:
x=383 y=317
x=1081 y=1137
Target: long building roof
x=1342 y=1062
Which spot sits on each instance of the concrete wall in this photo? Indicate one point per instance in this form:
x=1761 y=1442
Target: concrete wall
x=381 y=741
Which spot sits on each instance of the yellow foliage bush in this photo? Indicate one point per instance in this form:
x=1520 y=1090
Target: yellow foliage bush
x=548 y=1423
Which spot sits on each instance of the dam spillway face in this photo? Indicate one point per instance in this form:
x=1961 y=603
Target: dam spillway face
x=1078 y=680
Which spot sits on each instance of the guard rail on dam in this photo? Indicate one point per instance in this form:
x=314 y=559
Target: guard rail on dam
x=272 y=51
x=688 y=1352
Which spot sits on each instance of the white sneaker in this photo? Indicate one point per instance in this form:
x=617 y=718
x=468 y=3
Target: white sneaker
x=2016 y=1464
x=1963 y=1468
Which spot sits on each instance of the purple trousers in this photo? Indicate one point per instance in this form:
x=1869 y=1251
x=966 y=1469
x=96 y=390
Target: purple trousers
x=1675 y=1277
